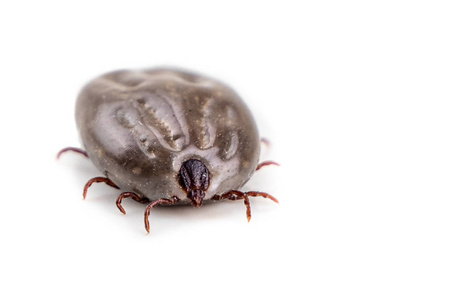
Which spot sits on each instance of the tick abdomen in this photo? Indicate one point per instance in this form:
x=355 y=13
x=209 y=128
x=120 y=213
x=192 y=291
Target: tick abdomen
x=138 y=127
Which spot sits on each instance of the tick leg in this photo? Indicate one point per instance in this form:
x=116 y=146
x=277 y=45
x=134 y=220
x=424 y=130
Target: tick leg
x=238 y=195
x=171 y=201
x=128 y=195
x=71 y=149
x=98 y=179
x=266 y=163
x=265 y=141
x=261 y=194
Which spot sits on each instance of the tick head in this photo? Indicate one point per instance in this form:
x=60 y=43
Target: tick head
x=194 y=179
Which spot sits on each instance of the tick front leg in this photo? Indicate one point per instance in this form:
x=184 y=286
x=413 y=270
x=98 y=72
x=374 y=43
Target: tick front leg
x=98 y=179
x=71 y=149
x=238 y=195
x=166 y=201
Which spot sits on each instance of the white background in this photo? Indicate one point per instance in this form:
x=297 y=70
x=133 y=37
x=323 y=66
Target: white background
x=353 y=95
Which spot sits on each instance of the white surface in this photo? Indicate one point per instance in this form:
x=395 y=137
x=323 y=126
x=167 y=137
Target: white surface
x=354 y=97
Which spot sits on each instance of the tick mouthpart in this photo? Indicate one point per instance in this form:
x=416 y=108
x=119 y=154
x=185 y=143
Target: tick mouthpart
x=196 y=196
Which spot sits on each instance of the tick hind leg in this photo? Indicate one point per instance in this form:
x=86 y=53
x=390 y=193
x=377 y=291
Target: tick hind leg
x=97 y=179
x=71 y=149
x=134 y=196
x=152 y=204
x=108 y=181
x=266 y=163
x=238 y=195
x=265 y=142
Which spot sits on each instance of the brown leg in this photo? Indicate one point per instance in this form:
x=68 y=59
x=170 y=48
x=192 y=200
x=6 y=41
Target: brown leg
x=72 y=149
x=262 y=194
x=173 y=200
x=266 y=163
x=238 y=195
x=98 y=179
x=128 y=195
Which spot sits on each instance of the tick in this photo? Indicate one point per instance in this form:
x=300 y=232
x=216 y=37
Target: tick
x=168 y=137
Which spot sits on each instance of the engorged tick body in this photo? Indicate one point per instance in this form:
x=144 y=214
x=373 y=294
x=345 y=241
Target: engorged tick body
x=168 y=137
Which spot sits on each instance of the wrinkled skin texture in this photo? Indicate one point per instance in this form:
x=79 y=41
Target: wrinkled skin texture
x=138 y=127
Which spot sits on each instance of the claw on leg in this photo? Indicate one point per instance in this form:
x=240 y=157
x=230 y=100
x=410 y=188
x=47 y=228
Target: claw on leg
x=98 y=179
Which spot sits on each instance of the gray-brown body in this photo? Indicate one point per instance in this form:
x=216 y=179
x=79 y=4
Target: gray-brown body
x=138 y=127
